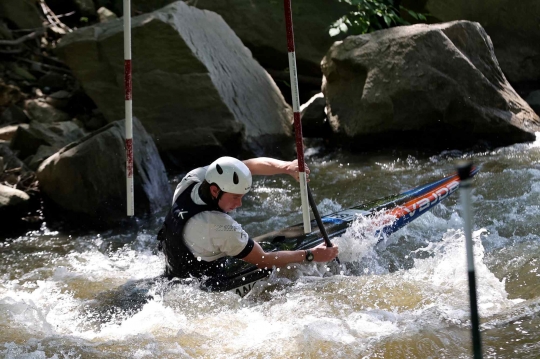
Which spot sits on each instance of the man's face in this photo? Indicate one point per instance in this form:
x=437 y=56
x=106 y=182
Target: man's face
x=230 y=201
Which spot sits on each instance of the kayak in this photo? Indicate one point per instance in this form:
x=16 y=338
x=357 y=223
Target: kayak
x=240 y=277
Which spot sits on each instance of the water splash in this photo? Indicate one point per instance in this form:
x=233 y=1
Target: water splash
x=443 y=277
x=358 y=244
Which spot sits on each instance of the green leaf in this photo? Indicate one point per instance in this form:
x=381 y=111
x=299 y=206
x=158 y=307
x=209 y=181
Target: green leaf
x=413 y=14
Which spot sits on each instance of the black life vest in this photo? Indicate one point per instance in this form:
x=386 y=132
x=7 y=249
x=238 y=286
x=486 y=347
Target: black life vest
x=179 y=261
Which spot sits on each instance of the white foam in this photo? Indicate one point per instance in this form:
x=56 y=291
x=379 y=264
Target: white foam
x=154 y=317
x=443 y=277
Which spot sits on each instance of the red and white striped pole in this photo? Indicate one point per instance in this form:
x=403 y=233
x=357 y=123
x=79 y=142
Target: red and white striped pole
x=297 y=121
x=129 y=109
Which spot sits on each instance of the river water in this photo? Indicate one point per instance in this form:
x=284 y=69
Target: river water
x=93 y=295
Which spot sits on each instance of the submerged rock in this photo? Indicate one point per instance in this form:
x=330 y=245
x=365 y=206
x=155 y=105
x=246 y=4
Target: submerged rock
x=439 y=85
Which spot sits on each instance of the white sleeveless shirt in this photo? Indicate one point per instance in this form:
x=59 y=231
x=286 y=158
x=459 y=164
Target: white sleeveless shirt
x=210 y=234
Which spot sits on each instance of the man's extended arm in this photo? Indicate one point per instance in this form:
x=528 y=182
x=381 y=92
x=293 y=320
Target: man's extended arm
x=263 y=259
x=270 y=166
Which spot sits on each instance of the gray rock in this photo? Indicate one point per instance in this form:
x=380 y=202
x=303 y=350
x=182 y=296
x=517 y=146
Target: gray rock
x=86 y=180
x=105 y=14
x=441 y=82
x=41 y=111
x=13 y=202
x=10 y=160
x=7 y=132
x=196 y=87
x=13 y=114
x=29 y=138
x=23 y=13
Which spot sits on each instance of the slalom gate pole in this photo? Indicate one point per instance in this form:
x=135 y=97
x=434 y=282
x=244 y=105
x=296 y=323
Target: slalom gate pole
x=464 y=172
x=297 y=121
x=129 y=108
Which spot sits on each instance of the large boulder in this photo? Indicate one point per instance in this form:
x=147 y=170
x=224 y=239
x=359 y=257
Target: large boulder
x=441 y=82
x=86 y=180
x=261 y=27
x=196 y=87
x=511 y=25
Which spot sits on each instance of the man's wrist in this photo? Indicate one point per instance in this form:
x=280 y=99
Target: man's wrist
x=309 y=255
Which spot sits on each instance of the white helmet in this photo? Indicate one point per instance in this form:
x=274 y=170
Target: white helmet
x=230 y=175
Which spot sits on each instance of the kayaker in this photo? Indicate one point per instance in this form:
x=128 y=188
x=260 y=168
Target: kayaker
x=198 y=229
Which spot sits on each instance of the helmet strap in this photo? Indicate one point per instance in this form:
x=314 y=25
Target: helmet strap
x=219 y=196
x=206 y=195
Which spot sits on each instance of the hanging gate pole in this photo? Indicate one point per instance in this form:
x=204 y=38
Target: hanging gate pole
x=297 y=121
x=464 y=171
x=129 y=109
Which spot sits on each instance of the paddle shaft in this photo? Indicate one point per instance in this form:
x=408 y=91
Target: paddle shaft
x=464 y=171
x=296 y=114
x=319 y=220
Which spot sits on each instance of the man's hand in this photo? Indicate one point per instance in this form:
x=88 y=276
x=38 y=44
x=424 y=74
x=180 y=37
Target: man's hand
x=292 y=170
x=322 y=253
